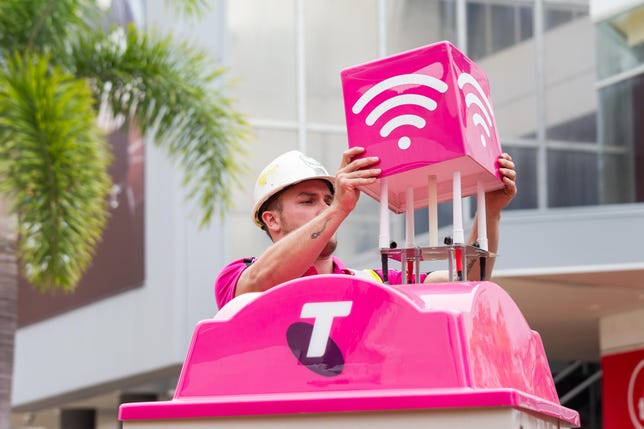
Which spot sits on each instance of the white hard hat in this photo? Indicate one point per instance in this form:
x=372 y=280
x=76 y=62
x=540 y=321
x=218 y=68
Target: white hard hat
x=285 y=170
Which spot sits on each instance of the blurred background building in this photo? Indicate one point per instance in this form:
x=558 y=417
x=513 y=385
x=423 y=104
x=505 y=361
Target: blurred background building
x=567 y=79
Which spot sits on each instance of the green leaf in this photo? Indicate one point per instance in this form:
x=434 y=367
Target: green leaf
x=173 y=92
x=44 y=26
x=58 y=68
x=53 y=165
x=190 y=8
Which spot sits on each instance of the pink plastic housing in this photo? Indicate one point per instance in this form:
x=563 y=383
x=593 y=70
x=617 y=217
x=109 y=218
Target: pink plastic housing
x=423 y=112
x=417 y=346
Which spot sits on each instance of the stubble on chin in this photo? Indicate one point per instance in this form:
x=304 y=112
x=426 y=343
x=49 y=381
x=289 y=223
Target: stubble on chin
x=329 y=248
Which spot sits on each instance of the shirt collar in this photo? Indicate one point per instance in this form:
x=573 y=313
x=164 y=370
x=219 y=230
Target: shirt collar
x=338 y=268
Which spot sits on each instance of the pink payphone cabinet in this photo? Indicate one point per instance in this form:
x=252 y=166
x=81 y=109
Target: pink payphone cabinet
x=352 y=352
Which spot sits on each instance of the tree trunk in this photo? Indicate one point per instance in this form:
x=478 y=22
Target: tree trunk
x=8 y=310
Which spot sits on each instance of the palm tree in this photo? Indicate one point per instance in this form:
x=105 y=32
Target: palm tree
x=58 y=69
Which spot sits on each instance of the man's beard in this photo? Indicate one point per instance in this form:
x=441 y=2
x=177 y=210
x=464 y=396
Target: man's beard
x=329 y=248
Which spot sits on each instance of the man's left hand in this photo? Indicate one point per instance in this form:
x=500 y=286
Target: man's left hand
x=496 y=201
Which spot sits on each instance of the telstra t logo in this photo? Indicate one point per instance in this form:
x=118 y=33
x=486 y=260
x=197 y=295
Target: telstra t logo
x=312 y=344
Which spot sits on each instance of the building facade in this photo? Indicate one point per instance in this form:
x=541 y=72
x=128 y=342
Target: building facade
x=567 y=82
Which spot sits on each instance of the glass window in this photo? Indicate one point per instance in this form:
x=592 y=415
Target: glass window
x=572 y=178
x=582 y=129
x=622 y=141
x=495 y=26
x=569 y=67
x=620 y=43
x=570 y=106
x=335 y=41
x=477 y=33
x=525 y=160
x=504 y=23
x=414 y=23
x=500 y=39
x=556 y=16
x=511 y=70
x=617 y=185
x=617 y=114
x=526 y=20
x=258 y=36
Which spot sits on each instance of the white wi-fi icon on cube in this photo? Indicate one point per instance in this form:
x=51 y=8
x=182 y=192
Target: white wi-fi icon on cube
x=403 y=99
x=481 y=117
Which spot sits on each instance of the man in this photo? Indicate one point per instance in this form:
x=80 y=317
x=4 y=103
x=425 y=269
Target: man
x=301 y=206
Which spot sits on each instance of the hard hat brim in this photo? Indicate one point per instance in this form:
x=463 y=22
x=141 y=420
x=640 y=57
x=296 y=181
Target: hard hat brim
x=259 y=204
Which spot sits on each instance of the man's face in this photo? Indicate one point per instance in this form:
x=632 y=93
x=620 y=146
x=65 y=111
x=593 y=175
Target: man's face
x=301 y=203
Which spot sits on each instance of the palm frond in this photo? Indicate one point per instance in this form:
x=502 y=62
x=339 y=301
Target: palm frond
x=190 y=8
x=174 y=93
x=53 y=167
x=44 y=26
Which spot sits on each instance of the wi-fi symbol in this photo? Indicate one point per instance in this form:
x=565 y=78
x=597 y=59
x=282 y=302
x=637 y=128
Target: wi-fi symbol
x=478 y=99
x=419 y=122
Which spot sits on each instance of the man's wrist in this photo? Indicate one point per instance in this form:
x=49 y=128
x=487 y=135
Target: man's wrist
x=494 y=214
x=336 y=209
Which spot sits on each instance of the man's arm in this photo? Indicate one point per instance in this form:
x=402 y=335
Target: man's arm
x=289 y=257
x=495 y=202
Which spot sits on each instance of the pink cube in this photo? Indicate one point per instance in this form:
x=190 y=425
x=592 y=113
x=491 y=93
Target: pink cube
x=425 y=112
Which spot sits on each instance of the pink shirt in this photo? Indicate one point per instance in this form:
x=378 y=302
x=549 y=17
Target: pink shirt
x=226 y=281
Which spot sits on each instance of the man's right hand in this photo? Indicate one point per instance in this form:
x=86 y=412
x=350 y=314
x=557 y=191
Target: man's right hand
x=353 y=173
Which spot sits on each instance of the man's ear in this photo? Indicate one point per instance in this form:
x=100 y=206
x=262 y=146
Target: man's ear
x=271 y=220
